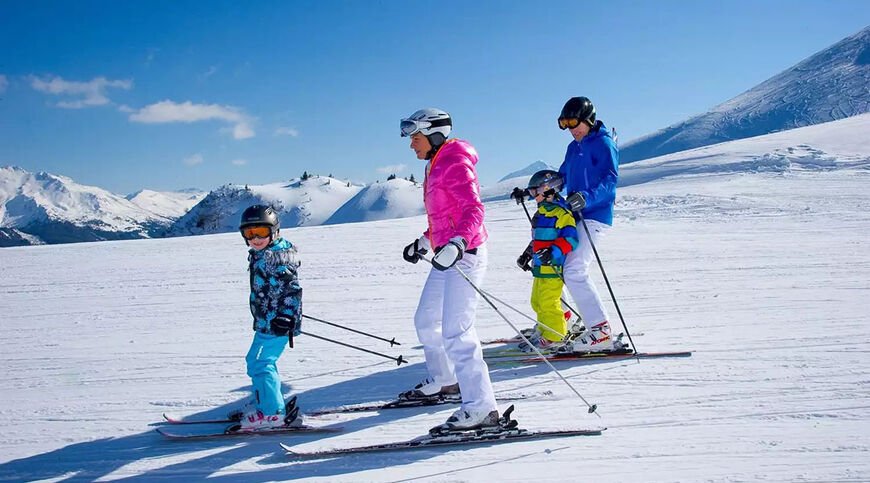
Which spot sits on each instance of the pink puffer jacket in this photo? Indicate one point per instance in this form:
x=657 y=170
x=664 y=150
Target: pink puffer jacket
x=451 y=195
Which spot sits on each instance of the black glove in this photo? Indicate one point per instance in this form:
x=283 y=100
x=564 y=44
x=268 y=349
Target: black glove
x=577 y=202
x=524 y=261
x=519 y=194
x=447 y=255
x=412 y=252
x=545 y=255
x=284 y=325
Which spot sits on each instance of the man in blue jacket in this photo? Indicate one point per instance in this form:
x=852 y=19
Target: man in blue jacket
x=590 y=173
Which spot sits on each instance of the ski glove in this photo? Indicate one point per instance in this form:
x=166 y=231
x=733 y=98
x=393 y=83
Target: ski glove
x=545 y=255
x=577 y=202
x=283 y=325
x=524 y=261
x=412 y=252
x=519 y=195
x=447 y=256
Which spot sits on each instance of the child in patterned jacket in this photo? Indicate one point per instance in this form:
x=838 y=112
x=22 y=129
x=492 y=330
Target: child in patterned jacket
x=554 y=235
x=276 y=305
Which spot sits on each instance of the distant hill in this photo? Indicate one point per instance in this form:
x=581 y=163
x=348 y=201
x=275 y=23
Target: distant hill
x=298 y=203
x=47 y=208
x=396 y=198
x=832 y=84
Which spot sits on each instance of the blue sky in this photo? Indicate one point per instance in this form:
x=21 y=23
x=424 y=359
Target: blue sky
x=168 y=95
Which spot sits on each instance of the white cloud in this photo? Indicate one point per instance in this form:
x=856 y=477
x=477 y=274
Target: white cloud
x=90 y=93
x=286 y=131
x=239 y=162
x=193 y=160
x=169 y=111
x=392 y=169
x=3 y=83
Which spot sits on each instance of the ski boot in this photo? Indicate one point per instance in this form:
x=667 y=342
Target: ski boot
x=463 y=420
x=427 y=389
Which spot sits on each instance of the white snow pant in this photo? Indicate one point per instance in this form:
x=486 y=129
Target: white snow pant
x=445 y=326
x=576 y=273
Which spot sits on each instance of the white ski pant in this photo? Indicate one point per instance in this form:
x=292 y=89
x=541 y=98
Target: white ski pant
x=576 y=274
x=445 y=326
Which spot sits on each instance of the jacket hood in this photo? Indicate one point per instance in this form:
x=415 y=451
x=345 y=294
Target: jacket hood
x=460 y=147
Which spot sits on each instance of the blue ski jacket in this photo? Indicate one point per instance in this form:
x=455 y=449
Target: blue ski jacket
x=591 y=167
x=275 y=286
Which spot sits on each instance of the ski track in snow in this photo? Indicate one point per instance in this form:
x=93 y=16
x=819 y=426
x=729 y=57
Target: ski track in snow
x=764 y=275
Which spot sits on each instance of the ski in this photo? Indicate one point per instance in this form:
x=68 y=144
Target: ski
x=289 y=406
x=548 y=351
x=516 y=340
x=376 y=406
x=233 y=431
x=625 y=354
x=506 y=432
x=414 y=403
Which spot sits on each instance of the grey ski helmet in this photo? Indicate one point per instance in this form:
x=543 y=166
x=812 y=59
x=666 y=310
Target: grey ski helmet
x=548 y=178
x=433 y=123
x=578 y=108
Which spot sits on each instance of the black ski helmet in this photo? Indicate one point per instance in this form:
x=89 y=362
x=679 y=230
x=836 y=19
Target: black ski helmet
x=547 y=177
x=260 y=215
x=579 y=108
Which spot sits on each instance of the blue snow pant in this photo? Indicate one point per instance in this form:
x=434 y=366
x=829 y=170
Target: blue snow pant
x=265 y=383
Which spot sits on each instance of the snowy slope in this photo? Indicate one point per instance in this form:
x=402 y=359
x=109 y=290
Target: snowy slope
x=298 y=202
x=760 y=268
x=395 y=198
x=56 y=209
x=169 y=204
x=829 y=85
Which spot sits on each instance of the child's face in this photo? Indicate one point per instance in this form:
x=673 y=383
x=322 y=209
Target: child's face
x=258 y=243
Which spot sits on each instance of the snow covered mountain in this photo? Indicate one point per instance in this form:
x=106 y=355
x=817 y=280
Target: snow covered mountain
x=298 y=203
x=170 y=204
x=517 y=179
x=832 y=84
x=528 y=171
x=395 y=198
x=48 y=208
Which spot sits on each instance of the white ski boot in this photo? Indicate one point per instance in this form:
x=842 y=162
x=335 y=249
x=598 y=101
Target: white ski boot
x=257 y=421
x=596 y=339
x=428 y=389
x=464 y=420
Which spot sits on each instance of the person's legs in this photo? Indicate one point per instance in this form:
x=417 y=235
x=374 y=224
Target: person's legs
x=427 y=321
x=266 y=385
x=460 y=338
x=577 y=279
x=547 y=305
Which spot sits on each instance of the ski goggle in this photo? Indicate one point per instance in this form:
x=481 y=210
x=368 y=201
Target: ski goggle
x=409 y=127
x=568 y=122
x=540 y=190
x=251 y=232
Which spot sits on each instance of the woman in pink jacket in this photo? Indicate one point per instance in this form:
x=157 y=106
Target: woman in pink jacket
x=446 y=312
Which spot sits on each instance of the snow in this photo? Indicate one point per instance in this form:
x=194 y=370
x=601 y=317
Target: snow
x=169 y=204
x=395 y=198
x=752 y=253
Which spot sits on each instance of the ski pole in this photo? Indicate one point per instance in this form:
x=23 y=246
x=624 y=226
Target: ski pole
x=392 y=341
x=609 y=289
x=522 y=201
x=592 y=407
x=517 y=310
x=398 y=360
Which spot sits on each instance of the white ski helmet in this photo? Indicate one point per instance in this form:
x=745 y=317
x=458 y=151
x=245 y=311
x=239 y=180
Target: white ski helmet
x=427 y=121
